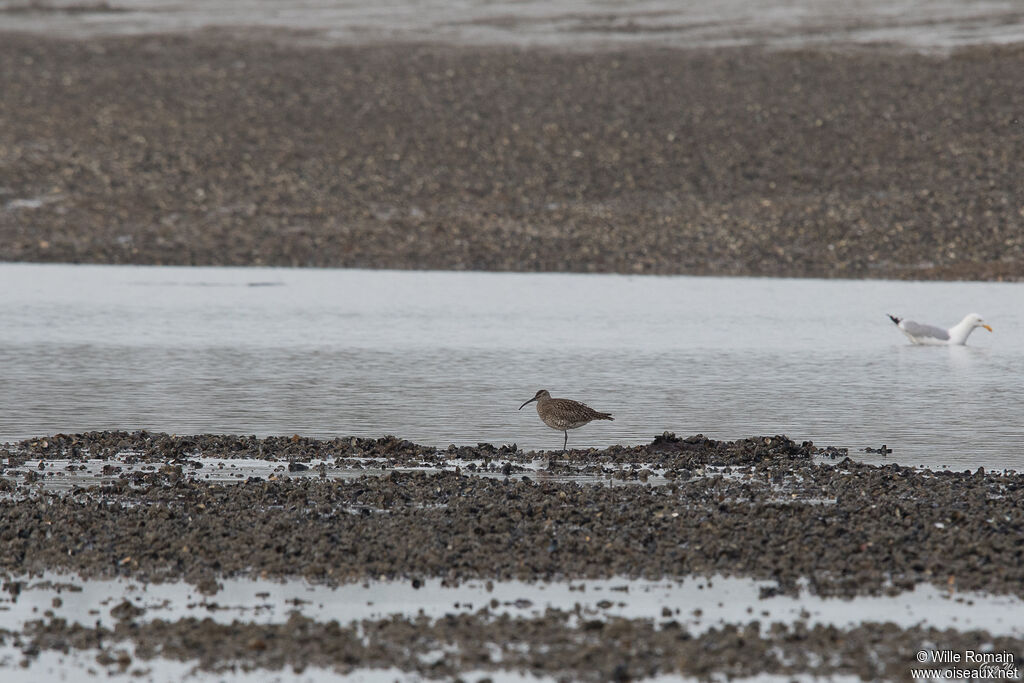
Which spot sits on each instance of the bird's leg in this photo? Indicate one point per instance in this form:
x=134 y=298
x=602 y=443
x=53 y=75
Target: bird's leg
x=566 y=442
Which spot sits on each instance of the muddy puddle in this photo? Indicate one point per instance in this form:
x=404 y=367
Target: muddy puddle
x=93 y=665
x=698 y=604
x=62 y=475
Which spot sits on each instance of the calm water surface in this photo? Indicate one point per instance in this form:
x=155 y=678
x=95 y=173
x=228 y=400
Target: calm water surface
x=443 y=358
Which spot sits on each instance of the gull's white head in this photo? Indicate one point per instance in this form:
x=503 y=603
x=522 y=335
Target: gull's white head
x=974 y=320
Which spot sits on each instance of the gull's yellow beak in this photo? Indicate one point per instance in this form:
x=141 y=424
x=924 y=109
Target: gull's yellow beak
x=986 y=327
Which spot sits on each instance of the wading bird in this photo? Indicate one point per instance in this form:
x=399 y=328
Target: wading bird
x=564 y=414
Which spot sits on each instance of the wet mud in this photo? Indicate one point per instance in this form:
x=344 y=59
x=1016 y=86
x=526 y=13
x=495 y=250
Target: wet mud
x=214 y=148
x=766 y=507
x=557 y=645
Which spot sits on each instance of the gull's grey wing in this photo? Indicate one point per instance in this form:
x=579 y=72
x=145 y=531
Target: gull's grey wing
x=919 y=330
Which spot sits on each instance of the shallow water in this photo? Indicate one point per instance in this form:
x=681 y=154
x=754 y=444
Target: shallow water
x=440 y=357
x=697 y=604
x=37 y=477
x=59 y=475
x=77 y=664
x=566 y=24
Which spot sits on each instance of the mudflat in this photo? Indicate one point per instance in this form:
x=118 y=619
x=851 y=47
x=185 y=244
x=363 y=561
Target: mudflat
x=236 y=149
x=803 y=517
x=761 y=507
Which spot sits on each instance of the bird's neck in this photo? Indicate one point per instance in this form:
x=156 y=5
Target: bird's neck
x=958 y=333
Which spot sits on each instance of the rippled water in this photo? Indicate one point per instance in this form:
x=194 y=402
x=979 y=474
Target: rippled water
x=562 y=23
x=443 y=358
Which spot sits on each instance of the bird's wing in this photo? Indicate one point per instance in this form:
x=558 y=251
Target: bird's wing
x=568 y=405
x=574 y=408
x=925 y=331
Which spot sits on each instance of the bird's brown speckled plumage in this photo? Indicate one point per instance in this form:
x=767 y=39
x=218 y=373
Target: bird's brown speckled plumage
x=564 y=414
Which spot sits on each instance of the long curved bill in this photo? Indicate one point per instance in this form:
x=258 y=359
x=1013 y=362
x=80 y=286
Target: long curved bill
x=530 y=401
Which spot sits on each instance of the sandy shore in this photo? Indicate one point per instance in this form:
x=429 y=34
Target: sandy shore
x=765 y=508
x=219 y=149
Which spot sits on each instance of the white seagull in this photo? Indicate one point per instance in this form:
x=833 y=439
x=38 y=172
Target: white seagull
x=929 y=334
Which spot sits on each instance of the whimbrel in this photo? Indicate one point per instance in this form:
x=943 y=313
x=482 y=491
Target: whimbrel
x=929 y=334
x=564 y=414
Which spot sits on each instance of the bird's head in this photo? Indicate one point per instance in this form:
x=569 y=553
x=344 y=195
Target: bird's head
x=543 y=393
x=974 y=320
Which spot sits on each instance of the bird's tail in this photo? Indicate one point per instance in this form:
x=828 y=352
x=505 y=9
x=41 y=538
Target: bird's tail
x=604 y=416
x=894 y=319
